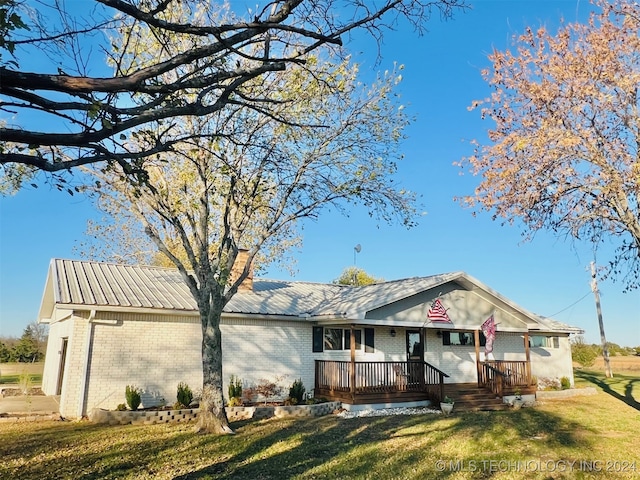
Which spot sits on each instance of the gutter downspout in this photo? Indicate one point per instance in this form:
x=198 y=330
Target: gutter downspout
x=85 y=365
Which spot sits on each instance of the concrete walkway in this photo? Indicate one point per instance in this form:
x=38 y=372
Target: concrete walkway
x=28 y=404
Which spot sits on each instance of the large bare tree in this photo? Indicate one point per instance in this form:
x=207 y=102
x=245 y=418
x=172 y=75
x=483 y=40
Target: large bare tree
x=70 y=113
x=564 y=151
x=248 y=180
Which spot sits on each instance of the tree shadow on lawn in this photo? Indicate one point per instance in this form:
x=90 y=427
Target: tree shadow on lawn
x=393 y=446
x=623 y=381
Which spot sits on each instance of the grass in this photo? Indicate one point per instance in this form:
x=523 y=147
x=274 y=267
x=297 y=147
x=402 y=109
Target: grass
x=10 y=373
x=36 y=378
x=534 y=443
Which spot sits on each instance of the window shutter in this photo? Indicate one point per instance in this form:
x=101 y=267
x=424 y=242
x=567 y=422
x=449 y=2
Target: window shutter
x=368 y=340
x=318 y=339
x=446 y=338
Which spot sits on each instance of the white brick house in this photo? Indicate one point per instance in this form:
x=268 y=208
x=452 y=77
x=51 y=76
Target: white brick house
x=115 y=325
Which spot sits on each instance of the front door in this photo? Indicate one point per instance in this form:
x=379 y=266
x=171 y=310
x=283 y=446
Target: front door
x=415 y=356
x=415 y=347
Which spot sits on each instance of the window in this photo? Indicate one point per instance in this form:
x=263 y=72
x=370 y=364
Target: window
x=462 y=339
x=544 y=341
x=333 y=339
x=340 y=339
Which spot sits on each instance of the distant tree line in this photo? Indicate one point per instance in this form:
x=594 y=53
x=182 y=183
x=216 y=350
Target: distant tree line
x=585 y=354
x=30 y=347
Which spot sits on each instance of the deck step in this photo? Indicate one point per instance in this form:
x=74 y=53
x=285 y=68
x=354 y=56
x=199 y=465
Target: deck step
x=471 y=398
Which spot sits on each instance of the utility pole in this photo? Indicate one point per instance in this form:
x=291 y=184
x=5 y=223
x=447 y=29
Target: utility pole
x=603 y=338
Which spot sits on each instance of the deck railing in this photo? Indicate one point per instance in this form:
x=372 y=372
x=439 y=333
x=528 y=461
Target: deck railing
x=380 y=377
x=498 y=374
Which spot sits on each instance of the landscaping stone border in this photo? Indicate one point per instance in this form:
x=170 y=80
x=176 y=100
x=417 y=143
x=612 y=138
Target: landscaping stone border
x=258 y=412
x=151 y=417
x=142 y=417
x=36 y=417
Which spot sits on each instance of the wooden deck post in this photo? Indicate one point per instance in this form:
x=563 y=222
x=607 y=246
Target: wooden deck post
x=527 y=352
x=476 y=338
x=352 y=373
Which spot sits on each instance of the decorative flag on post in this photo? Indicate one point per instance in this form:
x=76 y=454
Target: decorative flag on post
x=437 y=312
x=489 y=330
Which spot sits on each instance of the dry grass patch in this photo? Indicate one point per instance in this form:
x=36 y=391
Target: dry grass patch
x=626 y=364
x=622 y=364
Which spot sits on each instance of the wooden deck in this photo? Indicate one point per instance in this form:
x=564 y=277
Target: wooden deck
x=359 y=383
x=503 y=377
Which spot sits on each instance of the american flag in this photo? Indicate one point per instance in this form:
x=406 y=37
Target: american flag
x=489 y=330
x=437 y=312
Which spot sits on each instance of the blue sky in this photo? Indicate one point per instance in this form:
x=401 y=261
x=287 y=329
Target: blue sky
x=548 y=276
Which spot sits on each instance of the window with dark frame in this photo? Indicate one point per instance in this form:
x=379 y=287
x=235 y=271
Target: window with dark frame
x=462 y=339
x=332 y=339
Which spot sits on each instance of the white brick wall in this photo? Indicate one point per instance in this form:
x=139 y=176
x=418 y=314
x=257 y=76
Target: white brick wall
x=74 y=367
x=155 y=353
x=258 y=349
x=549 y=362
x=152 y=355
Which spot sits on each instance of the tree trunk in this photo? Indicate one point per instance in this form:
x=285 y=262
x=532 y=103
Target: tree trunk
x=212 y=417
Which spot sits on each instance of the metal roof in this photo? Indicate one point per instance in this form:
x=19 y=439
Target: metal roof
x=96 y=284
x=85 y=284
x=354 y=302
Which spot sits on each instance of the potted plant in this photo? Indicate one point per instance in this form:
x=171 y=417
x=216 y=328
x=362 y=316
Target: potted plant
x=517 y=401
x=446 y=405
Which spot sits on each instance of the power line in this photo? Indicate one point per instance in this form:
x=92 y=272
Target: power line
x=574 y=303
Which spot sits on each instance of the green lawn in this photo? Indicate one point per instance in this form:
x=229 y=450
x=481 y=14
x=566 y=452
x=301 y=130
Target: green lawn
x=539 y=442
x=10 y=373
x=35 y=378
x=624 y=387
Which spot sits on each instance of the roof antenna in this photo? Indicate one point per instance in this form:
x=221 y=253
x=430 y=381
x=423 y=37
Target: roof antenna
x=356 y=249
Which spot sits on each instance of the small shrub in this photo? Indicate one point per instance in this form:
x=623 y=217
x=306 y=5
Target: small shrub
x=132 y=394
x=185 y=395
x=121 y=407
x=235 y=402
x=296 y=391
x=235 y=387
x=291 y=401
x=565 y=383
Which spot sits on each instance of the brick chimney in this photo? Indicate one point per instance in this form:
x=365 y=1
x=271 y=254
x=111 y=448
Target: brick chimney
x=238 y=266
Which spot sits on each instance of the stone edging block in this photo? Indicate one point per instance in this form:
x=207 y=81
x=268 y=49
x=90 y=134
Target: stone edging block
x=150 y=417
